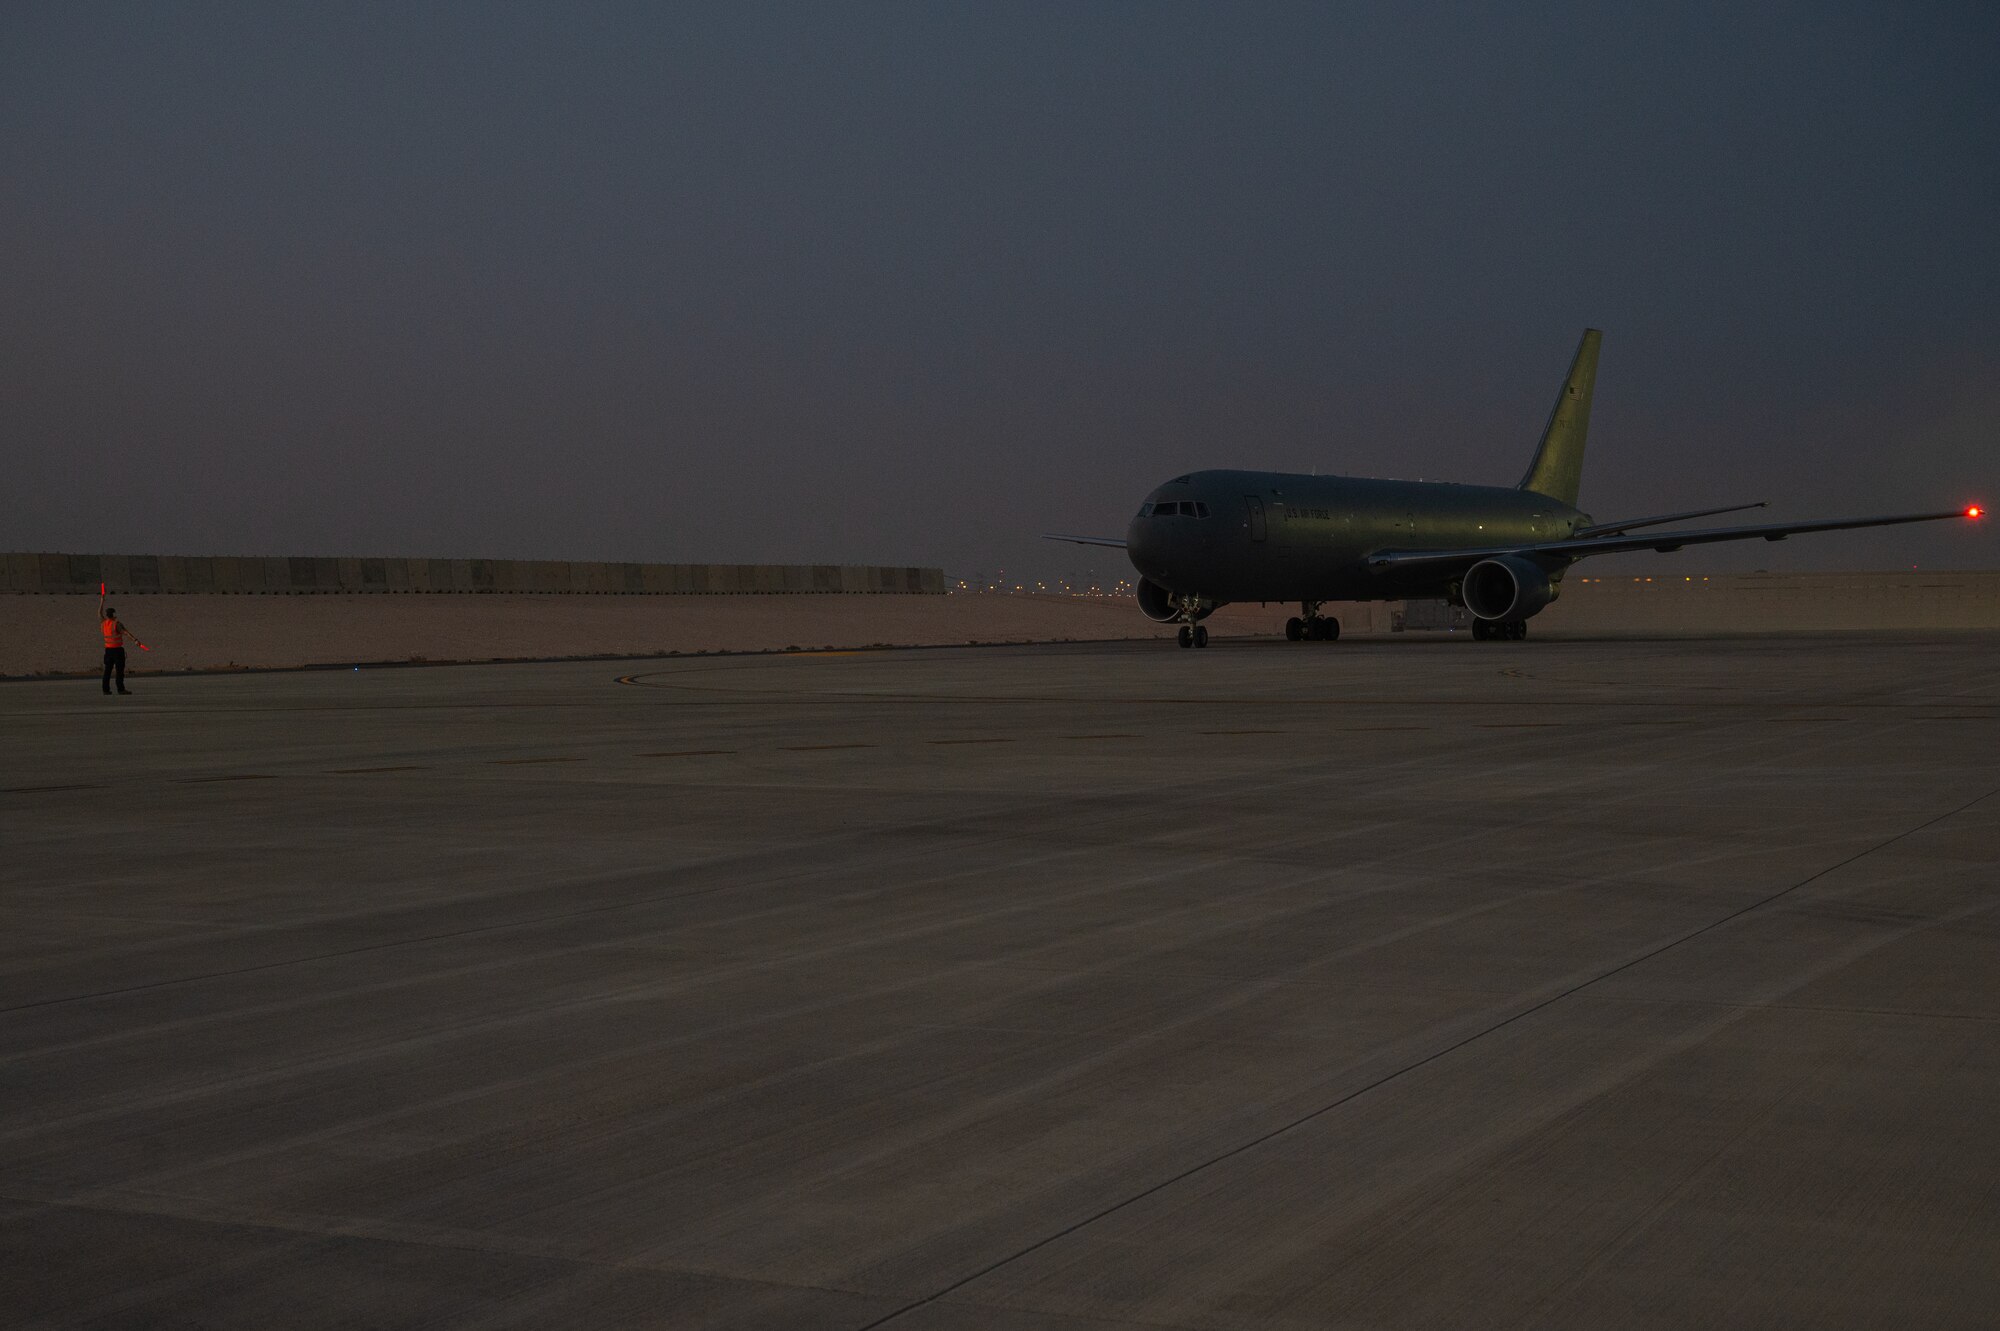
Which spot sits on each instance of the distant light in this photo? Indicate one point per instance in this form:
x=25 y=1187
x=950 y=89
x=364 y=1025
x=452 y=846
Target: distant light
x=1974 y=511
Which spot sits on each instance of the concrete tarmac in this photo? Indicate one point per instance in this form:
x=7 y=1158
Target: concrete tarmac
x=1401 y=983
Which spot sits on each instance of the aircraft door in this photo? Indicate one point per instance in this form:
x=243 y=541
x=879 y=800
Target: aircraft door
x=1253 y=508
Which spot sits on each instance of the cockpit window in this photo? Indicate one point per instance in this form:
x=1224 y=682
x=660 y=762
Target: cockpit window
x=1201 y=510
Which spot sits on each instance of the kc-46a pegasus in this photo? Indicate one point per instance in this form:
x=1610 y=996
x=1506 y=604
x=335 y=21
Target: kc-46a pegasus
x=1211 y=537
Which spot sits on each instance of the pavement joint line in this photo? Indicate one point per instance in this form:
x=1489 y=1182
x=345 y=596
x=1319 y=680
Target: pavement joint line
x=427 y=938
x=306 y=1229
x=1903 y=1014
x=1432 y=1057
x=811 y=748
x=1343 y=952
x=394 y=943
x=773 y=697
x=700 y=654
x=701 y=894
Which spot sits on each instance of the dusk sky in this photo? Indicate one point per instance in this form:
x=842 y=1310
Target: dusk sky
x=914 y=283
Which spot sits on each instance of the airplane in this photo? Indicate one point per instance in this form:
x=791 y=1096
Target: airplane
x=1211 y=537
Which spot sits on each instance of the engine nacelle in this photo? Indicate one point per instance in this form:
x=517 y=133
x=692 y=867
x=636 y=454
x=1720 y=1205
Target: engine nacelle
x=1160 y=605
x=1155 y=602
x=1506 y=587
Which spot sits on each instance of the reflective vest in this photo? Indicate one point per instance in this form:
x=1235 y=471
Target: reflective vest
x=114 y=633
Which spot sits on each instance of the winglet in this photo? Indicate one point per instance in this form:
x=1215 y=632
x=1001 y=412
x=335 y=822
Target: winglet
x=1557 y=470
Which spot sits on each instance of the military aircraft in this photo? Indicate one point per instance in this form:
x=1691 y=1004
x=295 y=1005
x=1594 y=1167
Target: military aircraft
x=1212 y=537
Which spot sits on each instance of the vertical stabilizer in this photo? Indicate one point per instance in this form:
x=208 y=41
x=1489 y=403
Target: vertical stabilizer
x=1557 y=470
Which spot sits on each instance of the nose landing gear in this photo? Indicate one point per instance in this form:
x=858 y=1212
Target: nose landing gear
x=1192 y=634
x=1311 y=626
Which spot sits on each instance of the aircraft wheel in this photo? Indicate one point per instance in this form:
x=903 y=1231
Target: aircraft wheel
x=1332 y=630
x=1201 y=635
x=1517 y=630
x=1481 y=630
x=1295 y=629
x=1186 y=636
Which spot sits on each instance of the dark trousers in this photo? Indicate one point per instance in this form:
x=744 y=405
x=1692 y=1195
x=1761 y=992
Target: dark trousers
x=114 y=659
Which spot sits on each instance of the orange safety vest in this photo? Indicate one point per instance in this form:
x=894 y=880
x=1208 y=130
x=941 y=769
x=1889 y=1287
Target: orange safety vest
x=114 y=633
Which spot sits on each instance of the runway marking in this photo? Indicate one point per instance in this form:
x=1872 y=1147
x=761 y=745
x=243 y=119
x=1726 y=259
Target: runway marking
x=688 y=753
x=815 y=748
x=527 y=762
x=362 y=771
x=36 y=790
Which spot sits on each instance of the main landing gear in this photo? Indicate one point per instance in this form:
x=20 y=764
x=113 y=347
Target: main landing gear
x=1311 y=625
x=1499 y=630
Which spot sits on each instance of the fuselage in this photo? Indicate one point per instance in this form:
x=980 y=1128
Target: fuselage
x=1276 y=536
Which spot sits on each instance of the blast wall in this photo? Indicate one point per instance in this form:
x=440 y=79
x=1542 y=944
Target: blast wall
x=1767 y=602
x=127 y=574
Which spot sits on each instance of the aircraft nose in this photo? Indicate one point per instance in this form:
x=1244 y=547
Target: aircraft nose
x=1149 y=547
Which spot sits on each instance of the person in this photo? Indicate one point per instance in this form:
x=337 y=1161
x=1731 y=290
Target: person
x=115 y=634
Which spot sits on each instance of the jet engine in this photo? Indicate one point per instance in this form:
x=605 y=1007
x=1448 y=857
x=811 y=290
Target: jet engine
x=1159 y=604
x=1506 y=587
x=1156 y=602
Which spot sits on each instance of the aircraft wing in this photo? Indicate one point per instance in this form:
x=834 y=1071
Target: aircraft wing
x=1111 y=542
x=1579 y=547
x=1633 y=524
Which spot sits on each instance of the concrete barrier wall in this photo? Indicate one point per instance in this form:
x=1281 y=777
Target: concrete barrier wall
x=127 y=574
x=1759 y=602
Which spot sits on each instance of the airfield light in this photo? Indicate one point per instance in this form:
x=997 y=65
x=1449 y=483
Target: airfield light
x=1974 y=511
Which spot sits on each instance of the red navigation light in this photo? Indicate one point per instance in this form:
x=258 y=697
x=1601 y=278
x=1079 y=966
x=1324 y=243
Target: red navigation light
x=1974 y=511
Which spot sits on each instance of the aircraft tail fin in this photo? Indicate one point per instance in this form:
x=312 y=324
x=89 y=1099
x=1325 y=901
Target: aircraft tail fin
x=1557 y=470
